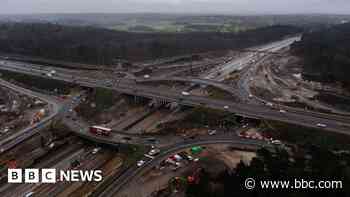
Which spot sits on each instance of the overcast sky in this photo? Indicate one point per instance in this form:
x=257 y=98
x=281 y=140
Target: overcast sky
x=176 y=6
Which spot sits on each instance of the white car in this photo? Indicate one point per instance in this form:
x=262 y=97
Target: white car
x=277 y=142
x=96 y=150
x=154 y=152
x=250 y=96
x=146 y=76
x=226 y=107
x=51 y=145
x=29 y=194
x=283 y=111
x=269 y=104
x=140 y=163
x=321 y=125
x=185 y=93
x=212 y=132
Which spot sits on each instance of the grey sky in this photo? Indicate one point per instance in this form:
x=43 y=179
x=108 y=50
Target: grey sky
x=176 y=6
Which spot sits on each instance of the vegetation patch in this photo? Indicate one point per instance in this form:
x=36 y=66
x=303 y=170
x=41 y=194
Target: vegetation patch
x=34 y=82
x=98 y=101
x=74 y=44
x=304 y=136
x=200 y=117
x=326 y=54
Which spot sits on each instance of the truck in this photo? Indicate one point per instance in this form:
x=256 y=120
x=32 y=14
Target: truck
x=99 y=130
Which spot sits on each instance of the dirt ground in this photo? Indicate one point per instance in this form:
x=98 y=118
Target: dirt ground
x=17 y=111
x=279 y=79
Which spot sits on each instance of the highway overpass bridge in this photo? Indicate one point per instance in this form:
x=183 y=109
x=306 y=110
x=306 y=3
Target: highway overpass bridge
x=338 y=124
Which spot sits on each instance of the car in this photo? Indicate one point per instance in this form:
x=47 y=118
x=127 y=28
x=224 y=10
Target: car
x=189 y=158
x=127 y=138
x=140 y=163
x=52 y=145
x=321 y=125
x=29 y=194
x=151 y=139
x=269 y=104
x=175 y=168
x=146 y=76
x=283 y=111
x=276 y=142
x=226 y=107
x=96 y=150
x=250 y=96
x=6 y=129
x=154 y=152
x=185 y=93
x=212 y=132
x=177 y=157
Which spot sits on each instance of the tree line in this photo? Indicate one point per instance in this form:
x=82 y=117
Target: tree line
x=315 y=164
x=102 y=46
x=326 y=54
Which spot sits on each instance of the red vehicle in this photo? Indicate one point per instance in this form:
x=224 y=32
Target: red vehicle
x=98 y=130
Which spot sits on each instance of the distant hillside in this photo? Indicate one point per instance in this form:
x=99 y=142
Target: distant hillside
x=93 y=45
x=326 y=54
x=155 y=20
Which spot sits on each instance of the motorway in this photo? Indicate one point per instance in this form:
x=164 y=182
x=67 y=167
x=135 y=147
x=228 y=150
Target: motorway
x=247 y=58
x=337 y=124
x=120 y=181
x=205 y=82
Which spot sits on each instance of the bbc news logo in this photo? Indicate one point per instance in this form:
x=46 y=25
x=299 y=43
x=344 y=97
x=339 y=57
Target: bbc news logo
x=52 y=176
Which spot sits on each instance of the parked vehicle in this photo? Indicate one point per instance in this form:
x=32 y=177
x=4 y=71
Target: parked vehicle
x=154 y=152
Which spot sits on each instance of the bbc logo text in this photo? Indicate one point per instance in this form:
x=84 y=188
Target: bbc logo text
x=52 y=175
